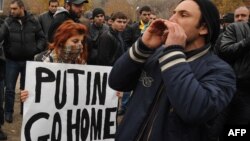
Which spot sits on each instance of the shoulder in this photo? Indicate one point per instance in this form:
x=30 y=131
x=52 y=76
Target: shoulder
x=216 y=63
x=32 y=18
x=8 y=20
x=134 y=25
x=106 y=34
x=42 y=56
x=237 y=25
x=105 y=27
x=44 y=14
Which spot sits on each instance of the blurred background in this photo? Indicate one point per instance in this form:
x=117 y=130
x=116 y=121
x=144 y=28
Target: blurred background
x=162 y=8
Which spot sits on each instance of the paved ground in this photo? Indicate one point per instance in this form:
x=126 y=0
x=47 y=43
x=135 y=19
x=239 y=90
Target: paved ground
x=13 y=130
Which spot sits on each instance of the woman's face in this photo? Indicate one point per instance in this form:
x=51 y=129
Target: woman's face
x=72 y=48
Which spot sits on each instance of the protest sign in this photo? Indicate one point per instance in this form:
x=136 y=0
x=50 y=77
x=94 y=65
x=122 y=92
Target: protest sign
x=68 y=102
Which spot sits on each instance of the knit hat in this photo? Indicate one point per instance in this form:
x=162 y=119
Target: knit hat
x=97 y=11
x=210 y=15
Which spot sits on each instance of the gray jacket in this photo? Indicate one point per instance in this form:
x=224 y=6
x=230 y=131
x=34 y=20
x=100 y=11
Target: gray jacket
x=45 y=20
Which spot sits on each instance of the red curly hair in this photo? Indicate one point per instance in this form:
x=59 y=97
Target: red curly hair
x=66 y=30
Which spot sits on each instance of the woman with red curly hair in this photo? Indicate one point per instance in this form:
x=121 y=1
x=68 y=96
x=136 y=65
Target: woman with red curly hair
x=68 y=46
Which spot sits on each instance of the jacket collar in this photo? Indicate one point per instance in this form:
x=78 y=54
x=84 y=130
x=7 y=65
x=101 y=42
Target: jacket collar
x=195 y=54
x=26 y=17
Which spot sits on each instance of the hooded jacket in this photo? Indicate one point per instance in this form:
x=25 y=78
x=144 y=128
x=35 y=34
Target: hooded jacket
x=60 y=16
x=22 y=40
x=176 y=95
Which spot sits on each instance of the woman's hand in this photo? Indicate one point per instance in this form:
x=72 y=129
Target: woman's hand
x=119 y=94
x=24 y=95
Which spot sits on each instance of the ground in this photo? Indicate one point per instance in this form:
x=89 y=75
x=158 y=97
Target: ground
x=13 y=130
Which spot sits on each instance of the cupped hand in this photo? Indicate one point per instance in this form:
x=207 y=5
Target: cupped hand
x=156 y=34
x=176 y=34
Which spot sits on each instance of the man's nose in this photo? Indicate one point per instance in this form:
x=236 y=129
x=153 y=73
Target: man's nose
x=172 y=18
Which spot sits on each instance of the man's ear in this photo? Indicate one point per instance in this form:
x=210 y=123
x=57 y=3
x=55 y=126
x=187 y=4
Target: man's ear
x=203 y=29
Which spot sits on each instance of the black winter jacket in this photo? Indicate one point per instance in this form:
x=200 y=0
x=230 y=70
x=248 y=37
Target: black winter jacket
x=92 y=41
x=235 y=49
x=110 y=47
x=22 y=41
x=131 y=34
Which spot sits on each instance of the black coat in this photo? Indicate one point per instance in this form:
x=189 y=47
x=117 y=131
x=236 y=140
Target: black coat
x=110 y=47
x=235 y=49
x=22 y=41
x=131 y=34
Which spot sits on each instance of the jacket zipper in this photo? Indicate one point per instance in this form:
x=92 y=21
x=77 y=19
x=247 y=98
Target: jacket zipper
x=153 y=115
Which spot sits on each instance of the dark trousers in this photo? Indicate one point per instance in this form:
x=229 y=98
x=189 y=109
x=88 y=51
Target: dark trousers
x=13 y=68
x=2 y=74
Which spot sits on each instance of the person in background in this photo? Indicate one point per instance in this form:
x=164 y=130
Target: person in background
x=111 y=45
x=234 y=49
x=135 y=30
x=227 y=19
x=23 y=38
x=72 y=11
x=46 y=18
x=152 y=17
x=179 y=86
x=89 y=17
x=95 y=30
x=68 y=46
x=241 y=14
x=224 y=22
x=108 y=20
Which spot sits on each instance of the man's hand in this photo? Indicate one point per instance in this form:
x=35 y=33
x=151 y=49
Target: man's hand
x=176 y=34
x=155 y=35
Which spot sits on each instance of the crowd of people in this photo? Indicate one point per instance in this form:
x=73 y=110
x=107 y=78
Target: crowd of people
x=181 y=79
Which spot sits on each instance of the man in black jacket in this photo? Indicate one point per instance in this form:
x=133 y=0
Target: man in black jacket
x=111 y=45
x=23 y=38
x=135 y=30
x=234 y=49
x=72 y=11
x=95 y=30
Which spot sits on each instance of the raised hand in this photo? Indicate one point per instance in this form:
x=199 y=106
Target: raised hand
x=176 y=34
x=156 y=34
